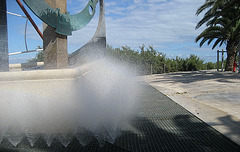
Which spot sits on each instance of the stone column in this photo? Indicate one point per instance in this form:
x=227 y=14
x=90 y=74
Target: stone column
x=54 y=44
x=4 y=61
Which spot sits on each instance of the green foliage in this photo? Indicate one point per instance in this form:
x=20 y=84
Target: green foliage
x=210 y=65
x=194 y=63
x=149 y=60
x=141 y=61
x=39 y=57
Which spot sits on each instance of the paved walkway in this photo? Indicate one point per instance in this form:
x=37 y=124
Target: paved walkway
x=212 y=96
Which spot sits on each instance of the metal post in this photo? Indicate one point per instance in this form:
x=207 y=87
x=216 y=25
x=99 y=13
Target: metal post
x=151 y=69
x=239 y=60
x=222 y=59
x=164 y=68
x=4 y=61
x=176 y=66
x=217 y=60
x=135 y=70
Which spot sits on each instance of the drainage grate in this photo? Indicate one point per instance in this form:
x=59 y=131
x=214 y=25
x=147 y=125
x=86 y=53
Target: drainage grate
x=160 y=125
x=164 y=126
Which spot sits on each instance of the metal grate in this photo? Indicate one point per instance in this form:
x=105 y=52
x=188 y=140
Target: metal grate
x=160 y=125
x=164 y=126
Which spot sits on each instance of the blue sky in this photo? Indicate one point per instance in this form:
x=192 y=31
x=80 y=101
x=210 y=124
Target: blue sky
x=167 y=25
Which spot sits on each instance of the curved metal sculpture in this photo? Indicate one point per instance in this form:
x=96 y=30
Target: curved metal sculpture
x=63 y=23
x=96 y=47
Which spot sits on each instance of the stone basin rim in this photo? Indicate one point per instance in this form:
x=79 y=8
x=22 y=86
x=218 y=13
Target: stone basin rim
x=41 y=74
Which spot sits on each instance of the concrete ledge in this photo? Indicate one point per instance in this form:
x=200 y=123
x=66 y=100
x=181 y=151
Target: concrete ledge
x=45 y=74
x=41 y=74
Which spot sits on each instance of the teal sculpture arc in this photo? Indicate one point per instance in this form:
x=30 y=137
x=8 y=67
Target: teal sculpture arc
x=63 y=23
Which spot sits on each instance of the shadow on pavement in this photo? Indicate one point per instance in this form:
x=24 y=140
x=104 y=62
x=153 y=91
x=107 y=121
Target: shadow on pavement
x=233 y=126
x=189 y=77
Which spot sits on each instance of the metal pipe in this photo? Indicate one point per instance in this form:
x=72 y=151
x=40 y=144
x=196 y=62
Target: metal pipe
x=25 y=35
x=222 y=58
x=239 y=60
x=30 y=19
x=16 y=14
x=151 y=69
x=217 y=60
x=15 y=53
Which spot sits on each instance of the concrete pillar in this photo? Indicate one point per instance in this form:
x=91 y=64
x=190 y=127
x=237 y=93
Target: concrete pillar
x=4 y=61
x=54 y=44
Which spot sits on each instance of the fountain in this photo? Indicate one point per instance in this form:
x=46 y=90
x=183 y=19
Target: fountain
x=64 y=103
x=86 y=101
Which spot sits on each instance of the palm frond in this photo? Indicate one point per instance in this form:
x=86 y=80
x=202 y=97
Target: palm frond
x=206 y=18
x=216 y=43
x=206 y=5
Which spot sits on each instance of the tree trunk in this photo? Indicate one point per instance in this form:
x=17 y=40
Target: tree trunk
x=231 y=55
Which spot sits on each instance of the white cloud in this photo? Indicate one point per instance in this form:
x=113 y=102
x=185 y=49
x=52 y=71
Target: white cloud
x=138 y=1
x=110 y=4
x=150 y=22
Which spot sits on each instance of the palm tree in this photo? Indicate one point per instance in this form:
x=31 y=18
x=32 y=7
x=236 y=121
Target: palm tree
x=217 y=8
x=223 y=26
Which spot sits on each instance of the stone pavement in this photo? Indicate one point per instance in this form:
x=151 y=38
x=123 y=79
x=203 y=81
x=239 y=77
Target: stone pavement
x=212 y=96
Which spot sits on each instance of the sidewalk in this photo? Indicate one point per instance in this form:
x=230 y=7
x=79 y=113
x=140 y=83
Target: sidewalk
x=212 y=96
